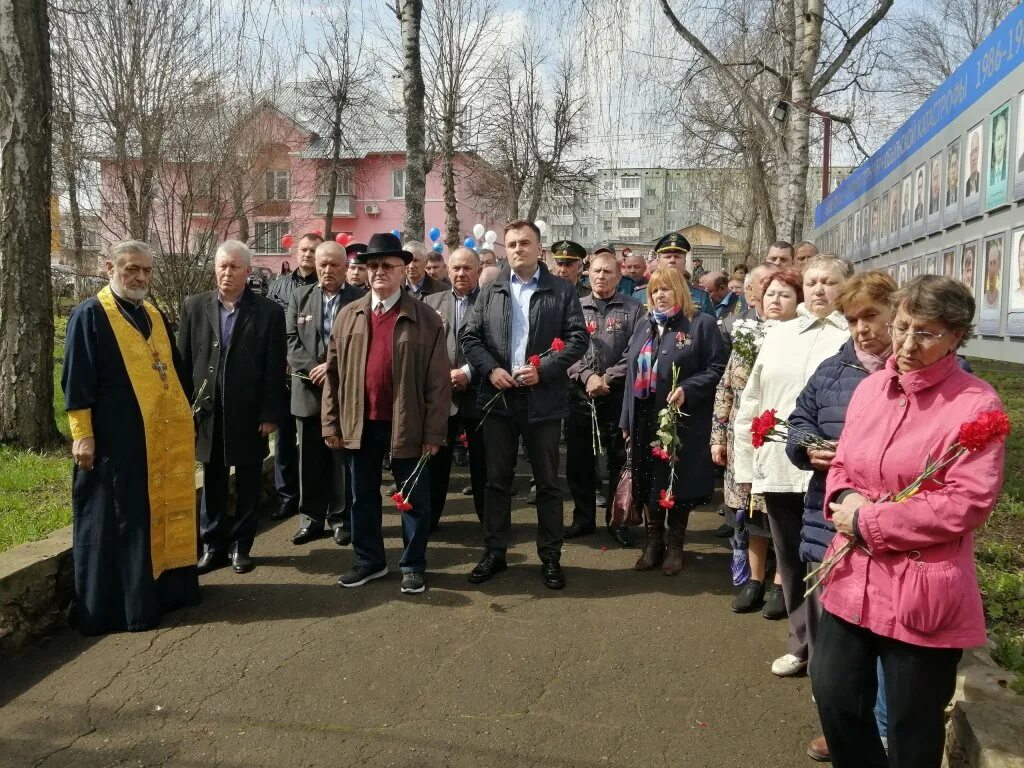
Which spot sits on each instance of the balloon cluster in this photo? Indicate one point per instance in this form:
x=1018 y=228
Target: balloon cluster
x=343 y=239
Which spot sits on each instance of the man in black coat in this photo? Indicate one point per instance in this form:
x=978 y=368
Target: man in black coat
x=418 y=282
x=286 y=452
x=454 y=307
x=524 y=332
x=323 y=490
x=233 y=348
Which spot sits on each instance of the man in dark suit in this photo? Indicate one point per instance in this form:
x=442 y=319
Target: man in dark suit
x=419 y=284
x=453 y=306
x=323 y=490
x=233 y=347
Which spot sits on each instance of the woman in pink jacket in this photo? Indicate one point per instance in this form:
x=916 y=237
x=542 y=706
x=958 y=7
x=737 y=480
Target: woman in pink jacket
x=908 y=593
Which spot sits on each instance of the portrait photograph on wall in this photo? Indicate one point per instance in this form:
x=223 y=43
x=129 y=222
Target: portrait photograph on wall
x=865 y=231
x=998 y=157
x=992 y=285
x=949 y=262
x=931 y=264
x=972 y=180
x=915 y=267
x=1015 y=317
x=935 y=193
x=883 y=225
x=951 y=210
x=968 y=264
x=875 y=226
x=906 y=207
x=904 y=275
x=894 y=216
x=1018 y=184
x=855 y=245
x=920 y=199
x=891 y=271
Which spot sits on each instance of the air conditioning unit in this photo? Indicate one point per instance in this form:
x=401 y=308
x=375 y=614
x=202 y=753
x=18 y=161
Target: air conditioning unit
x=371 y=210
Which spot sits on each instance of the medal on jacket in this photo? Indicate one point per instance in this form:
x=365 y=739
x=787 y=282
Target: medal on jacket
x=682 y=340
x=613 y=324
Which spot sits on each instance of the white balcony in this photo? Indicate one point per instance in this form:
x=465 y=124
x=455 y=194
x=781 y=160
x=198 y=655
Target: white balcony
x=628 y=233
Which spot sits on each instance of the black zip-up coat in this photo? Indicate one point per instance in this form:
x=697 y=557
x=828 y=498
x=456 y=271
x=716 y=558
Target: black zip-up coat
x=555 y=312
x=247 y=377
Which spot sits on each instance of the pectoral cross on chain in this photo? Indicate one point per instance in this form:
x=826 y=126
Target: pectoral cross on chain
x=161 y=368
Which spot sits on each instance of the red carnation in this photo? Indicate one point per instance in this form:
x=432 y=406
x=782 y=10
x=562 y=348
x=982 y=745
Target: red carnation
x=591 y=327
x=557 y=345
x=398 y=498
x=659 y=452
x=762 y=427
x=987 y=428
x=666 y=501
x=534 y=360
x=464 y=440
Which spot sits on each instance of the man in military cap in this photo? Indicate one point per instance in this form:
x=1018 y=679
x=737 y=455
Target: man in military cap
x=671 y=251
x=568 y=264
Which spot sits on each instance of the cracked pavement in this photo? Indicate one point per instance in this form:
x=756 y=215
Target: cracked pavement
x=283 y=669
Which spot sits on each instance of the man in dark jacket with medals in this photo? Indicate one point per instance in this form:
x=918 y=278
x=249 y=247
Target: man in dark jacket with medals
x=232 y=345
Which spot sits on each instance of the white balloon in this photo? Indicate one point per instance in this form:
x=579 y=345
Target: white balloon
x=491 y=236
x=541 y=225
x=478 y=231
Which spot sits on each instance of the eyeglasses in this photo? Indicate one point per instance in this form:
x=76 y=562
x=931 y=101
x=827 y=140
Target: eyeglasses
x=924 y=338
x=378 y=267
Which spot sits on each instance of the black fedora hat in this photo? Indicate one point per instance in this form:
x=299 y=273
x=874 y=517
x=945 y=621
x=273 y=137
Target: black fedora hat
x=383 y=244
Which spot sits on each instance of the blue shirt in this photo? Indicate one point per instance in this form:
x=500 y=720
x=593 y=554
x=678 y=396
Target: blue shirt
x=521 y=295
x=227 y=324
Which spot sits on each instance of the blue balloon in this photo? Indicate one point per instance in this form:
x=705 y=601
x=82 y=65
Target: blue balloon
x=434 y=234
x=438 y=247
x=396 y=233
x=470 y=242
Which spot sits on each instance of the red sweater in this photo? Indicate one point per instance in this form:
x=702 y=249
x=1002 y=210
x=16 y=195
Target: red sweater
x=380 y=390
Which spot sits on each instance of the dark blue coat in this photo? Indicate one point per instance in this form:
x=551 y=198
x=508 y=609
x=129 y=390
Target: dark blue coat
x=821 y=410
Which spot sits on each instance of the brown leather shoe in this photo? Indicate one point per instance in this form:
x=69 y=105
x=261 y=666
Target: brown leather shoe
x=817 y=750
x=654 y=548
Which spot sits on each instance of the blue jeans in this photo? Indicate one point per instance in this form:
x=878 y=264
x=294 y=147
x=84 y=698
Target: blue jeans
x=881 y=711
x=367 y=465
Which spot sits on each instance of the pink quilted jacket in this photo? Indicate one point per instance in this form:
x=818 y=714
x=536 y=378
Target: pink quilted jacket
x=918 y=584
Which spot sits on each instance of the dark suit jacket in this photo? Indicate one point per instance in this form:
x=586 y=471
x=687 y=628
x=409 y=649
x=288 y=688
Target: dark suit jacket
x=430 y=287
x=444 y=304
x=248 y=377
x=307 y=347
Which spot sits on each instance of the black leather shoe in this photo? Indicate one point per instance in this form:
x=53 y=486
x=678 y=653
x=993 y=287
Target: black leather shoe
x=750 y=597
x=724 y=531
x=285 y=511
x=341 y=536
x=579 y=528
x=774 y=604
x=552 y=573
x=211 y=561
x=490 y=565
x=306 y=535
x=241 y=562
x=621 y=536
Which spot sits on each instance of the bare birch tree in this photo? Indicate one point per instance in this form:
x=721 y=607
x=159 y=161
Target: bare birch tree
x=417 y=160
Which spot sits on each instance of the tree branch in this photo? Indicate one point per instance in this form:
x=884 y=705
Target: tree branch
x=854 y=40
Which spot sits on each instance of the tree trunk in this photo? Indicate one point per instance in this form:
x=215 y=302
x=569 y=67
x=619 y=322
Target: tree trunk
x=453 y=230
x=26 y=320
x=332 y=176
x=411 y=13
x=537 y=192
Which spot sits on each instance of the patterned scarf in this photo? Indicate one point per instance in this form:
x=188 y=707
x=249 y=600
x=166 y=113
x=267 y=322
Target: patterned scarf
x=646 y=364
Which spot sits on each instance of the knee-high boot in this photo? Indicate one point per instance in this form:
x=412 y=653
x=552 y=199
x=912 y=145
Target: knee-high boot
x=654 y=548
x=677 y=520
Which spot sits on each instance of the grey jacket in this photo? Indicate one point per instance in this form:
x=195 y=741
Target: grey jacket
x=444 y=305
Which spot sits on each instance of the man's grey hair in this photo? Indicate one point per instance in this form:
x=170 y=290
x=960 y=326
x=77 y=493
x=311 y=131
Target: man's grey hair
x=416 y=248
x=462 y=250
x=117 y=250
x=235 y=248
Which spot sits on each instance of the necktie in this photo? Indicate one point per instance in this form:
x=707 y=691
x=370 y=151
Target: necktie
x=380 y=309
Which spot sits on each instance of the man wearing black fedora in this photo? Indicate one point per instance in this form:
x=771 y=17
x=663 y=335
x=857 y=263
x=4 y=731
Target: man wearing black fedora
x=388 y=391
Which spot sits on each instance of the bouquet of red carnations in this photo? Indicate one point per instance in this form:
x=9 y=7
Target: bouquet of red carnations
x=987 y=428
x=769 y=428
x=403 y=493
x=557 y=345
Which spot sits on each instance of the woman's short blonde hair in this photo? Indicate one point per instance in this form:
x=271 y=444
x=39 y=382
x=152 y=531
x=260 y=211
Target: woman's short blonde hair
x=670 y=278
x=874 y=287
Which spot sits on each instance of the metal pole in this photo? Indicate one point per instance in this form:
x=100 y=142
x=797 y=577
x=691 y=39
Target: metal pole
x=827 y=157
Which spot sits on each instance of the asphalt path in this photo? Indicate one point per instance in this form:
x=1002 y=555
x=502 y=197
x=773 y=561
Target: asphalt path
x=281 y=668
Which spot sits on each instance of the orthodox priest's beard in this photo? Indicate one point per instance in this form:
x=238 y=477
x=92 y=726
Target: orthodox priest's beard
x=132 y=294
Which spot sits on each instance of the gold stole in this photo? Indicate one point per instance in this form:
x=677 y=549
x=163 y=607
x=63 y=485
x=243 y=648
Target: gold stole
x=170 y=438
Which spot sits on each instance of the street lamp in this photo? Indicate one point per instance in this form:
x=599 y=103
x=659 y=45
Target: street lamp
x=781 y=111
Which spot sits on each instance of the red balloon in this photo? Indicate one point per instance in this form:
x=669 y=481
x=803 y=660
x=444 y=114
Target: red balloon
x=287 y=241
x=318 y=232
x=342 y=238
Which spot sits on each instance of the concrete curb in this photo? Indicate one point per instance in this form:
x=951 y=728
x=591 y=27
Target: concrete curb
x=986 y=729
x=37 y=586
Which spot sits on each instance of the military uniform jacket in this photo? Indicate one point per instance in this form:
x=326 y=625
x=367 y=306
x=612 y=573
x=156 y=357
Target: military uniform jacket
x=307 y=347
x=610 y=331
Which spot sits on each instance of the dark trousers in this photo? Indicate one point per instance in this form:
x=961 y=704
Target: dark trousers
x=367 y=466
x=919 y=683
x=441 y=466
x=286 y=462
x=502 y=433
x=322 y=478
x=580 y=465
x=785 y=513
x=219 y=532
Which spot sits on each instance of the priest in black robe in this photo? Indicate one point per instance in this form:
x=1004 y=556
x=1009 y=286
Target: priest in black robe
x=133 y=495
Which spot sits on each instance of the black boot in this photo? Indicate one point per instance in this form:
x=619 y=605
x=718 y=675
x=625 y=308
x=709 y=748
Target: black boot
x=750 y=597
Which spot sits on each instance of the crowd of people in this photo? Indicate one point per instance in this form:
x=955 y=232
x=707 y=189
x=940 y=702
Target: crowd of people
x=385 y=361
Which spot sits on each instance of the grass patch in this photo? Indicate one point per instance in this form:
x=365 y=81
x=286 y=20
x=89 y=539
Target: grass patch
x=999 y=546
x=36 y=493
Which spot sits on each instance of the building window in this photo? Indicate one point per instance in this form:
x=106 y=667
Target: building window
x=670 y=205
x=398 y=184
x=345 y=185
x=650 y=211
x=607 y=226
x=629 y=203
x=673 y=186
x=278 y=183
x=630 y=182
x=585 y=232
x=562 y=210
x=651 y=192
x=609 y=205
x=268 y=236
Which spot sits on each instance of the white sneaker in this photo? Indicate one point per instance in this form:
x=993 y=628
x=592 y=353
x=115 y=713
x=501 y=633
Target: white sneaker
x=788 y=665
